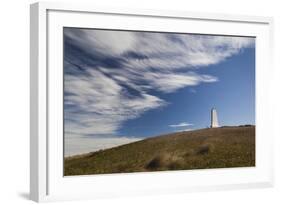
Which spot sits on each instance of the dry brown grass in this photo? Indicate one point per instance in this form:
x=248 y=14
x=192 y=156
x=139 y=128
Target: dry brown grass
x=199 y=149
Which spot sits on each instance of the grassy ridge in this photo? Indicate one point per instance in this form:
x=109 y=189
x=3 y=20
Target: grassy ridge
x=199 y=149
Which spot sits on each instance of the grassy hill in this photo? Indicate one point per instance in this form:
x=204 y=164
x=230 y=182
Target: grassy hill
x=199 y=149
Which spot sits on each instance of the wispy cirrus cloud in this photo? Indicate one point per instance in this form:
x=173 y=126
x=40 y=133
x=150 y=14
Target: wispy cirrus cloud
x=184 y=130
x=96 y=104
x=182 y=124
x=110 y=76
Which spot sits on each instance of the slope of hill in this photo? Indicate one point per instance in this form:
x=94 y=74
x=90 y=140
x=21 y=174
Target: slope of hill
x=199 y=149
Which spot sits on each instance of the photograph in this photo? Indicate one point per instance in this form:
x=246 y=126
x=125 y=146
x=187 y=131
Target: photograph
x=146 y=101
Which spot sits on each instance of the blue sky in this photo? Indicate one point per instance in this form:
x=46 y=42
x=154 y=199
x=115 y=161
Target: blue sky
x=122 y=86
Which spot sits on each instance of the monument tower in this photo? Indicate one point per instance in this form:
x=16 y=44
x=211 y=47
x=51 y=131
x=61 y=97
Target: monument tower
x=214 y=118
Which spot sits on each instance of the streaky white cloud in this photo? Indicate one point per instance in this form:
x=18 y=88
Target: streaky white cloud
x=103 y=42
x=101 y=105
x=186 y=50
x=170 y=82
x=184 y=130
x=182 y=124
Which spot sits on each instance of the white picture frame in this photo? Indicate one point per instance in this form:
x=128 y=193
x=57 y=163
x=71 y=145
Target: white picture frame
x=46 y=178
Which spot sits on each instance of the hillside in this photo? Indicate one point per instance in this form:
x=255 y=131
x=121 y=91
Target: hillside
x=199 y=149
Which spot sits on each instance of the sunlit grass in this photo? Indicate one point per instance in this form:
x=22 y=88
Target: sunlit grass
x=201 y=149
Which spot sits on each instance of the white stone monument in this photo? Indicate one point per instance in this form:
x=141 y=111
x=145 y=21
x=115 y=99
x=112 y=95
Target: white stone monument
x=214 y=118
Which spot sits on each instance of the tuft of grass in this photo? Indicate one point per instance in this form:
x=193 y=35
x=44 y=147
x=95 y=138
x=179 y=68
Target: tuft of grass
x=204 y=149
x=163 y=162
x=157 y=162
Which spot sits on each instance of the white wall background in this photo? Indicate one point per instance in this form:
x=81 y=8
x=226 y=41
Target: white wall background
x=14 y=103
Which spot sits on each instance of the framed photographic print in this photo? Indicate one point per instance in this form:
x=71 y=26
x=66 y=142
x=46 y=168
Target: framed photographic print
x=127 y=102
